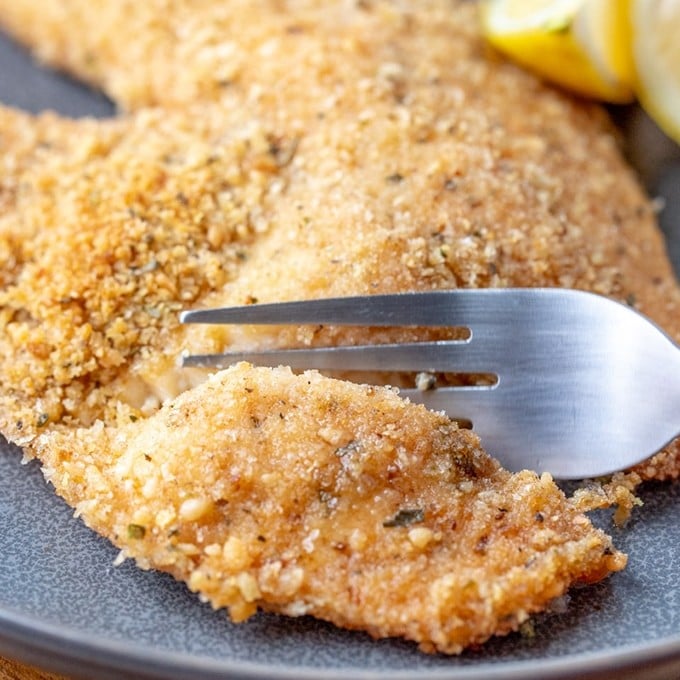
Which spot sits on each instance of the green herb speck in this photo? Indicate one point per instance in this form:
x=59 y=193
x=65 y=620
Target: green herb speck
x=136 y=531
x=405 y=517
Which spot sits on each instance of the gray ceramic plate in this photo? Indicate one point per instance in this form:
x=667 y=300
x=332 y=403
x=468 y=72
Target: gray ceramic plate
x=65 y=606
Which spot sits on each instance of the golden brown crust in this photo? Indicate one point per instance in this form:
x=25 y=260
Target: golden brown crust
x=306 y=495
x=160 y=210
x=298 y=149
x=146 y=216
x=664 y=466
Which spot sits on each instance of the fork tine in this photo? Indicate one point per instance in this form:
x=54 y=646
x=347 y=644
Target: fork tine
x=584 y=384
x=431 y=308
x=487 y=310
x=374 y=310
x=495 y=317
x=438 y=356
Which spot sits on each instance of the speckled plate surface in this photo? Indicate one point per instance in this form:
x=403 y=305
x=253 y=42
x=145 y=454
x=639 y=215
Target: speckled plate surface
x=63 y=604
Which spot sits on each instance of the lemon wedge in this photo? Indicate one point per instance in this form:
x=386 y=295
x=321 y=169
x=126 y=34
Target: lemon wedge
x=583 y=45
x=656 y=59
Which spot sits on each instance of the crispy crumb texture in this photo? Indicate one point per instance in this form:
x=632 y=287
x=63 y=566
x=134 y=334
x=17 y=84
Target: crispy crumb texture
x=307 y=495
x=280 y=150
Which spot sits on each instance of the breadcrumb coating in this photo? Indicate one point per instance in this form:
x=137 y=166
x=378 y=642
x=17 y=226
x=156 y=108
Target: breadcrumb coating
x=279 y=150
x=395 y=521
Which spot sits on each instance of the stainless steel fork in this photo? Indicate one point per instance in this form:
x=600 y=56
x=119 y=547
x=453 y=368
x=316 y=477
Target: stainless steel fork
x=584 y=385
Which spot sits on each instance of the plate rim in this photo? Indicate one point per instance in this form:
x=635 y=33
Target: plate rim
x=66 y=649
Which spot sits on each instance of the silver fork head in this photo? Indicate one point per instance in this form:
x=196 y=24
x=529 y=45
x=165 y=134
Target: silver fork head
x=582 y=382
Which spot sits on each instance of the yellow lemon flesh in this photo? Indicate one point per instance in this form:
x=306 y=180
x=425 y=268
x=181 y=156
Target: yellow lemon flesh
x=656 y=56
x=582 y=45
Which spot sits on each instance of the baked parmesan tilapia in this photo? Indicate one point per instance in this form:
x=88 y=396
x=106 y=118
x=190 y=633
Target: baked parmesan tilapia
x=280 y=150
x=307 y=495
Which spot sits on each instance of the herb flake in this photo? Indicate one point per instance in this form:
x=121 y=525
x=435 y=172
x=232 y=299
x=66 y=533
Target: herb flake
x=136 y=531
x=405 y=518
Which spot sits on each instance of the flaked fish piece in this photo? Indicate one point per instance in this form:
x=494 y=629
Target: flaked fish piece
x=300 y=149
x=308 y=495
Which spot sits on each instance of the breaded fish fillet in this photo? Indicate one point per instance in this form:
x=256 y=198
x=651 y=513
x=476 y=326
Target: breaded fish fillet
x=307 y=495
x=299 y=149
